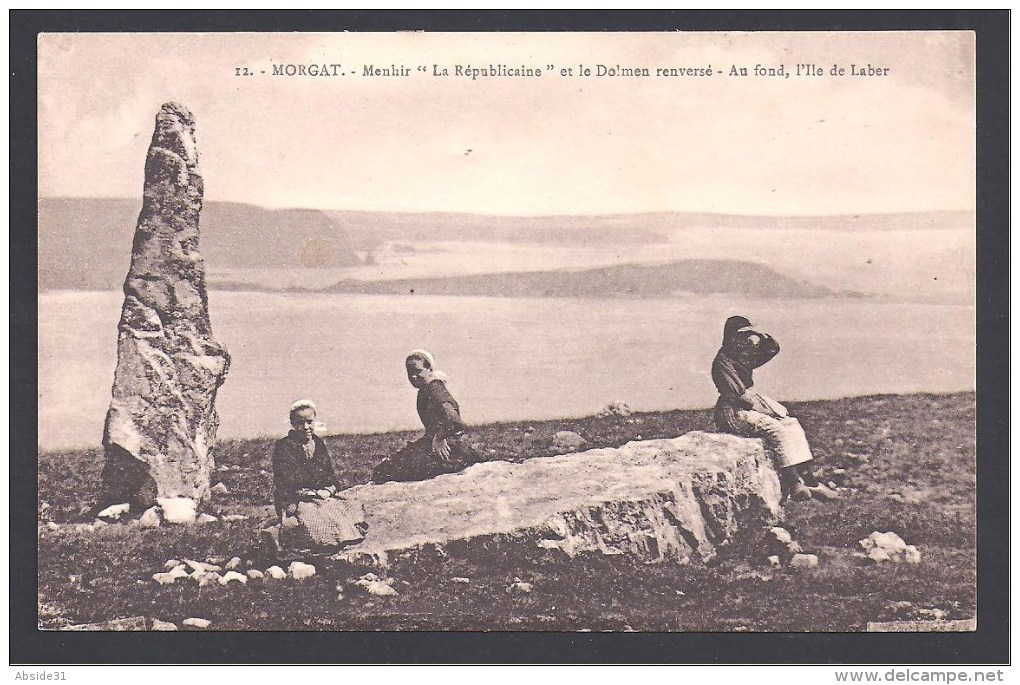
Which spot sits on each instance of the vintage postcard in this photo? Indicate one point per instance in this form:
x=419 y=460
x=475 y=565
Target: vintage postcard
x=662 y=332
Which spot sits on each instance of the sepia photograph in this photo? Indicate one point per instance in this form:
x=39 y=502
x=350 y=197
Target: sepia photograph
x=574 y=332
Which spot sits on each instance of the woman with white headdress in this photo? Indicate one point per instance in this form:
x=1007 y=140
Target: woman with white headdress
x=305 y=485
x=442 y=449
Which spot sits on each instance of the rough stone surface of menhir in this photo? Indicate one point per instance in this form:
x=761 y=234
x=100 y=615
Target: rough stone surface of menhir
x=162 y=419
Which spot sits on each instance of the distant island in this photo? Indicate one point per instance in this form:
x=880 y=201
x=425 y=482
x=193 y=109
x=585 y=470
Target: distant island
x=85 y=244
x=701 y=276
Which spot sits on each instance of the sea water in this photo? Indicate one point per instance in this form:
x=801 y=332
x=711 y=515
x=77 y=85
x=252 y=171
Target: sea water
x=506 y=358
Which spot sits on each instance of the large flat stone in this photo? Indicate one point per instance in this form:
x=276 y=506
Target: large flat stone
x=675 y=500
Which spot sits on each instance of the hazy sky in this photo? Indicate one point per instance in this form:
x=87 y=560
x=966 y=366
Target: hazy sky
x=548 y=145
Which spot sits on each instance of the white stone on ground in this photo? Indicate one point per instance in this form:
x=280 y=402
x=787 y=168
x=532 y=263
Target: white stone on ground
x=220 y=489
x=889 y=546
x=163 y=625
x=208 y=578
x=150 y=519
x=276 y=572
x=178 y=571
x=616 y=408
x=233 y=564
x=804 y=561
x=177 y=509
x=233 y=576
x=567 y=441
x=256 y=574
x=197 y=622
x=206 y=518
x=374 y=585
x=164 y=578
x=201 y=565
x=460 y=579
x=520 y=587
x=781 y=535
x=299 y=570
x=114 y=512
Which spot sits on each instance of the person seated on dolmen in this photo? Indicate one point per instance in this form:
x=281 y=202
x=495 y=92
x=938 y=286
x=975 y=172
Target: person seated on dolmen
x=444 y=448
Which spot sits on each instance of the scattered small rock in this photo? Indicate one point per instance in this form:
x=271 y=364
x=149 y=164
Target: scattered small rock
x=206 y=518
x=774 y=561
x=170 y=563
x=205 y=578
x=201 y=565
x=177 y=509
x=460 y=579
x=164 y=578
x=114 y=512
x=52 y=526
x=899 y=606
x=163 y=625
x=234 y=517
x=276 y=572
x=233 y=576
x=375 y=585
x=220 y=489
x=520 y=587
x=889 y=546
x=567 y=441
x=299 y=570
x=197 y=622
x=171 y=576
x=256 y=574
x=616 y=408
x=878 y=556
x=178 y=571
x=935 y=614
x=804 y=561
x=216 y=560
x=150 y=519
x=781 y=535
x=233 y=564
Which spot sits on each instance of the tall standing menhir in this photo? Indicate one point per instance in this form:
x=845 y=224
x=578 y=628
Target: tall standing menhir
x=162 y=419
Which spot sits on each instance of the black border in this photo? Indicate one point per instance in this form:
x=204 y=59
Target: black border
x=988 y=645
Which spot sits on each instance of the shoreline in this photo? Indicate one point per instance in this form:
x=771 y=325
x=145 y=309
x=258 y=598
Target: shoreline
x=511 y=424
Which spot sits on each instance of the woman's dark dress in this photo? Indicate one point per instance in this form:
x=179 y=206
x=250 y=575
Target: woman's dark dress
x=293 y=470
x=440 y=415
x=732 y=373
x=742 y=411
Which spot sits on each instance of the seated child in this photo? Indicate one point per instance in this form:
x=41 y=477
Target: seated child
x=305 y=489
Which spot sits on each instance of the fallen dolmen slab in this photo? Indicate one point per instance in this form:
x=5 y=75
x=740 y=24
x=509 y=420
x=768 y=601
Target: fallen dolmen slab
x=675 y=500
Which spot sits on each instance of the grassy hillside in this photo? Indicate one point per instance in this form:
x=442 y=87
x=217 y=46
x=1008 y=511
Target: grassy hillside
x=626 y=280
x=85 y=243
x=909 y=466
